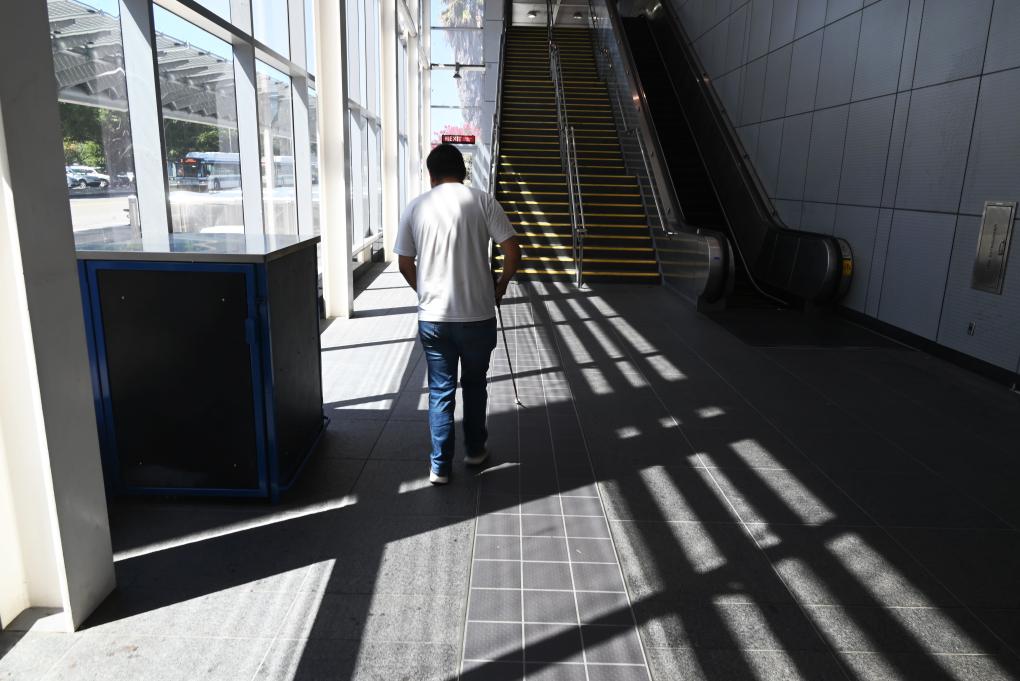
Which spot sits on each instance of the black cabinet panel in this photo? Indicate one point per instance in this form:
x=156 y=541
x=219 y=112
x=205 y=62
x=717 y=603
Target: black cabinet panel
x=179 y=371
x=296 y=374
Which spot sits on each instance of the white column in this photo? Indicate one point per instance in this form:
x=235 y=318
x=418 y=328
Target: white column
x=51 y=485
x=337 y=275
x=413 y=105
x=388 y=82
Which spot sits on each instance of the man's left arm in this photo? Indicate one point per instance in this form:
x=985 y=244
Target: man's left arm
x=409 y=269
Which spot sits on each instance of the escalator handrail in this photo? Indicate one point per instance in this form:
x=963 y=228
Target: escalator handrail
x=644 y=111
x=715 y=106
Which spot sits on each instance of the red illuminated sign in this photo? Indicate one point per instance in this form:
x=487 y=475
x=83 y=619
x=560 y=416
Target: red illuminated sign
x=458 y=139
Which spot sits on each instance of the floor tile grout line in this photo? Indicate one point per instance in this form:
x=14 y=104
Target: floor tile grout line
x=563 y=519
x=520 y=490
x=573 y=664
x=539 y=536
x=565 y=624
x=515 y=588
x=883 y=529
x=53 y=667
x=553 y=562
x=557 y=350
x=279 y=628
x=471 y=570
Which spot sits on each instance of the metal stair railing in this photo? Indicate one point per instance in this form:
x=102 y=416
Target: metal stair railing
x=568 y=153
x=497 y=116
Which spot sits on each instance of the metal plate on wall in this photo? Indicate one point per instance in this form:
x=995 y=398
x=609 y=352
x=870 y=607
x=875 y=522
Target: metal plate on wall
x=993 y=246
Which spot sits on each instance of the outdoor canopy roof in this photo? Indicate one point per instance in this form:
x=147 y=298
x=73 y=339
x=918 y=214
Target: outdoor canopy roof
x=89 y=64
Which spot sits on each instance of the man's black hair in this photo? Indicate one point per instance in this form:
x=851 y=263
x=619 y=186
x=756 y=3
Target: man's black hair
x=446 y=161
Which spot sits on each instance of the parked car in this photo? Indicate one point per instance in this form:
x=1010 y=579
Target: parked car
x=87 y=176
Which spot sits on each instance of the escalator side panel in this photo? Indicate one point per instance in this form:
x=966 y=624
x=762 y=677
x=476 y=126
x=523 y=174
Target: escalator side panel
x=716 y=186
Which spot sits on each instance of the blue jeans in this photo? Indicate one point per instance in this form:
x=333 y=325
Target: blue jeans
x=447 y=343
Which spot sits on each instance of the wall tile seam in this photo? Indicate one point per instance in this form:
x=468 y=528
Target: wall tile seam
x=966 y=166
x=865 y=205
x=744 y=51
x=897 y=91
x=899 y=167
x=811 y=126
x=782 y=131
x=713 y=26
x=765 y=80
x=840 y=18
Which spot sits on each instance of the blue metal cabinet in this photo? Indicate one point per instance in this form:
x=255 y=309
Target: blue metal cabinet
x=206 y=363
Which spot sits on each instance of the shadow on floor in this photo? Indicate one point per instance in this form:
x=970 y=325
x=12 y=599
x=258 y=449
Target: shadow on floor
x=777 y=514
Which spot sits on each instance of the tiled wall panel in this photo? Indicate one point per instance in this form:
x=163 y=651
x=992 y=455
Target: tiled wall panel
x=867 y=145
x=825 y=159
x=880 y=49
x=1003 y=45
x=889 y=123
x=794 y=156
x=993 y=167
x=920 y=246
x=952 y=44
x=935 y=147
x=839 y=55
x=777 y=80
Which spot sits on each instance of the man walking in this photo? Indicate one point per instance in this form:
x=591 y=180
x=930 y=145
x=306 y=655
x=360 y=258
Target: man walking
x=443 y=248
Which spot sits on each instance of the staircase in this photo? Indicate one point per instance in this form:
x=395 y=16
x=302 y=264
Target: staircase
x=531 y=184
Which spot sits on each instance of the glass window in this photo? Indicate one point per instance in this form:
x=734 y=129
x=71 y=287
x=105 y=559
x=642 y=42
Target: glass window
x=462 y=121
x=88 y=58
x=270 y=21
x=374 y=173
x=457 y=92
x=219 y=7
x=402 y=170
x=313 y=141
x=371 y=59
x=310 y=36
x=457 y=13
x=355 y=60
x=356 y=181
x=276 y=149
x=196 y=83
x=401 y=87
x=456 y=46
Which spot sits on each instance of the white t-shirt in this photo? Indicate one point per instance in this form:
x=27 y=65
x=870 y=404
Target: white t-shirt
x=448 y=230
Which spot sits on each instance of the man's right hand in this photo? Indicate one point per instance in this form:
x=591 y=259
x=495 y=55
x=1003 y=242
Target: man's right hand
x=501 y=290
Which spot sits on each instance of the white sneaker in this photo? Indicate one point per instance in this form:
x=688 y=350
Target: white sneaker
x=477 y=459
x=437 y=479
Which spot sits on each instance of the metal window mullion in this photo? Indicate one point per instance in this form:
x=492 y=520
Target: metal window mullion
x=298 y=27
x=302 y=156
x=245 y=87
x=146 y=122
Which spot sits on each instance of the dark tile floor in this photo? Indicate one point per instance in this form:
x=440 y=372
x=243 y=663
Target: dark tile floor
x=670 y=502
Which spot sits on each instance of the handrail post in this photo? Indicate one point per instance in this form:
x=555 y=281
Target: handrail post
x=582 y=228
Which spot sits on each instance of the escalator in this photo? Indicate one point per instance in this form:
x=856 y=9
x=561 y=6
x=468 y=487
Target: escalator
x=715 y=187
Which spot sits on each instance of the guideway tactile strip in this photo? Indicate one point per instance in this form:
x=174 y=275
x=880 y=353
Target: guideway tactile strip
x=547 y=598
